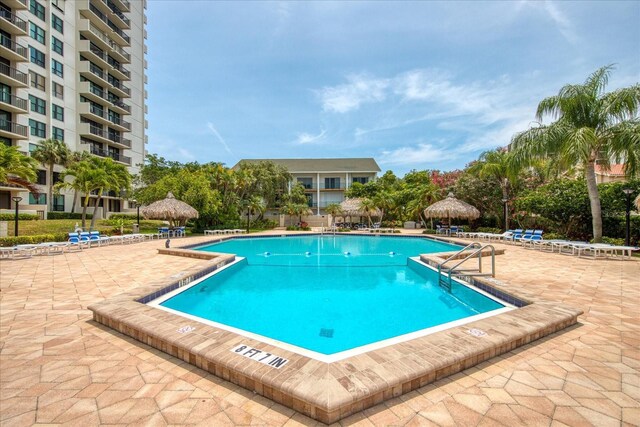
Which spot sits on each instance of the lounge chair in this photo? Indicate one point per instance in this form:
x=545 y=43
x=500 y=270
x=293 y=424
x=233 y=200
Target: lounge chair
x=96 y=238
x=528 y=238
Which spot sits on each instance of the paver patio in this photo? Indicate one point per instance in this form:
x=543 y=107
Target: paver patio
x=59 y=367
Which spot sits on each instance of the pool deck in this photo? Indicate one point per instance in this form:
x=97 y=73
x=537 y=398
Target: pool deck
x=58 y=366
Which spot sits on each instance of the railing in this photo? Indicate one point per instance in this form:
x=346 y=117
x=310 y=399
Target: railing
x=11 y=99
x=95 y=130
x=476 y=249
x=115 y=156
x=7 y=15
x=13 y=46
x=12 y=127
x=106 y=39
x=323 y=186
x=14 y=73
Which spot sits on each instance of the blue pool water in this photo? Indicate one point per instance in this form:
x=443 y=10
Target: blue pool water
x=329 y=293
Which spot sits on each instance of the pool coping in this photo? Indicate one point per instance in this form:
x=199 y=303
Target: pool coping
x=328 y=392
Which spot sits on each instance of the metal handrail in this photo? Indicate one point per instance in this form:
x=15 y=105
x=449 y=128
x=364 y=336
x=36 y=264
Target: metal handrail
x=478 y=251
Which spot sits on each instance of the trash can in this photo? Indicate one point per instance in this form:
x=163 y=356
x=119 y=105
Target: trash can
x=410 y=224
x=136 y=228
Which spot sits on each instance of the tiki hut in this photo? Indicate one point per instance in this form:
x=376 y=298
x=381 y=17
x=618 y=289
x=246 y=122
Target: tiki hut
x=353 y=207
x=451 y=208
x=637 y=202
x=170 y=209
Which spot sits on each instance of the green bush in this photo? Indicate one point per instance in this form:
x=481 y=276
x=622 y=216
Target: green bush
x=263 y=224
x=67 y=215
x=428 y=231
x=489 y=230
x=32 y=240
x=553 y=236
x=612 y=241
x=298 y=228
x=344 y=230
x=21 y=217
x=132 y=217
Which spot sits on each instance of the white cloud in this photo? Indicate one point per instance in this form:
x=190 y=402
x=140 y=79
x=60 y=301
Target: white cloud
x=186 y=154
x=565 y=26
x=305 y=138
x=348 y=97
x=217 y=135
x=421 y=154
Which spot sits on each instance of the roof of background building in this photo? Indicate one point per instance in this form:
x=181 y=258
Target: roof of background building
x=615 y=169
x=367 y=164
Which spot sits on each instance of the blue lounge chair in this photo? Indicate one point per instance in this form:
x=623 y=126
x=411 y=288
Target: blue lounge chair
x=533 y=237
x=95 y=237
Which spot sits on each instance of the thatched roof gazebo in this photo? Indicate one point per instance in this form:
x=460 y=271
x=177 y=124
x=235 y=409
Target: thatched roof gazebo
x=170 y=209
x=353 y=207
x=451 y=208
x=637 y=202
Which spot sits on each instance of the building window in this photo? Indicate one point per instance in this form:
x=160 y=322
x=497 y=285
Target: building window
x=36 y=32
x=37 y=9
x=38 y=129
x=58 y=203
x=114 y=117
x=40 y=200
x=32 y=147
x=38 y=105
x=36 y=56
x=361 y=179
x=57 y=112
x=56 y=177
x=332 y=183
x=56 y=67
x=42 y=177
x=57 y=23
x=57 y=46
x=57 y=90
x=57 y=133
x=307 y=183
x=37 y=81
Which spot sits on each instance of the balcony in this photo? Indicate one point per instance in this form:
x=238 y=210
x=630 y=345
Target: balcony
x=13 y=130
x=17 y=4
x=120 y=90
x=119 y=71
x=12 y=103
x=90 y=9
x=115 y=156
x=120 y=36
x=120 y=107
x=94 y=93
x=123 y=5
x=93 y=73
x=93 y=54
x=100 y=38
x=95 y=132
x=10 y=23
x=11 y=76
x=94 y=113
x=11 y=50
x=324 y=187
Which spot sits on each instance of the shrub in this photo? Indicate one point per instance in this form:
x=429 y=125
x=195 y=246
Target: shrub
x=132 y=217
x=298 y=228
x=428 y=231
x=67 y=215
x=613 y=241
x=263 y=224
x=32 y=240
x=344 y=229
x=554 y=236
x=489 y=230
x=21 y=217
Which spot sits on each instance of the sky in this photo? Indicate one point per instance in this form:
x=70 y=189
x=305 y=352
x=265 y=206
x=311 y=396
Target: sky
x=415 y=85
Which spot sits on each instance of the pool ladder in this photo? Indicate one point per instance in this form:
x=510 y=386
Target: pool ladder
x=475 y=249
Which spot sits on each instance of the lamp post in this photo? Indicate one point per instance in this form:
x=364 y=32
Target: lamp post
x=16 y=200
x=504 y=202
x=627 y=192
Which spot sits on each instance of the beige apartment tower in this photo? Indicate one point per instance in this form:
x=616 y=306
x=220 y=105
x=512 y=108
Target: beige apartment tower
x=73 y=71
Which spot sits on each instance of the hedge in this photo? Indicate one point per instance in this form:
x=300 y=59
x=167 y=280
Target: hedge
x=67 y=215
x=32 y=240
x=124 y=216
x=21 y=217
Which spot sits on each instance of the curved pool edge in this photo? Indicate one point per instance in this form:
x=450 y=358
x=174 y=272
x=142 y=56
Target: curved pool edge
x=328 y=391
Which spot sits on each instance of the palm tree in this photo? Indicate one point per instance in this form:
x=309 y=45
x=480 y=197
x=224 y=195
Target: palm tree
x=83 y=182
x=368 y=206
x=591 y=126
x=497 y=165
x=51 y=152
x=75 y=157
x=17 y=169
x=289 y=209
x=333 y=209
x=109 y=176
x=253 y=205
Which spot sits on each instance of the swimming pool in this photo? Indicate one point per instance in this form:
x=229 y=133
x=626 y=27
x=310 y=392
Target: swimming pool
x=329 y=294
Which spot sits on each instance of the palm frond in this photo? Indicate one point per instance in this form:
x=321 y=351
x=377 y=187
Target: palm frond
x=622 y=104
x=598 y=80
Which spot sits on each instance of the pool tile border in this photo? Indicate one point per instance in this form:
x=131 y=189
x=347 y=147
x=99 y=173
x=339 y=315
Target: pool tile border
x=328 y=392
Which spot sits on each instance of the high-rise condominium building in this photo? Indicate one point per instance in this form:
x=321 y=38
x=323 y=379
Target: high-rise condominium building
x=73 y=71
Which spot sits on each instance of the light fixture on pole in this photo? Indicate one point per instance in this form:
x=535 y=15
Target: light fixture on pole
x=627 y=192
x=506 y=213
x=135 y=203
x=16 y=200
